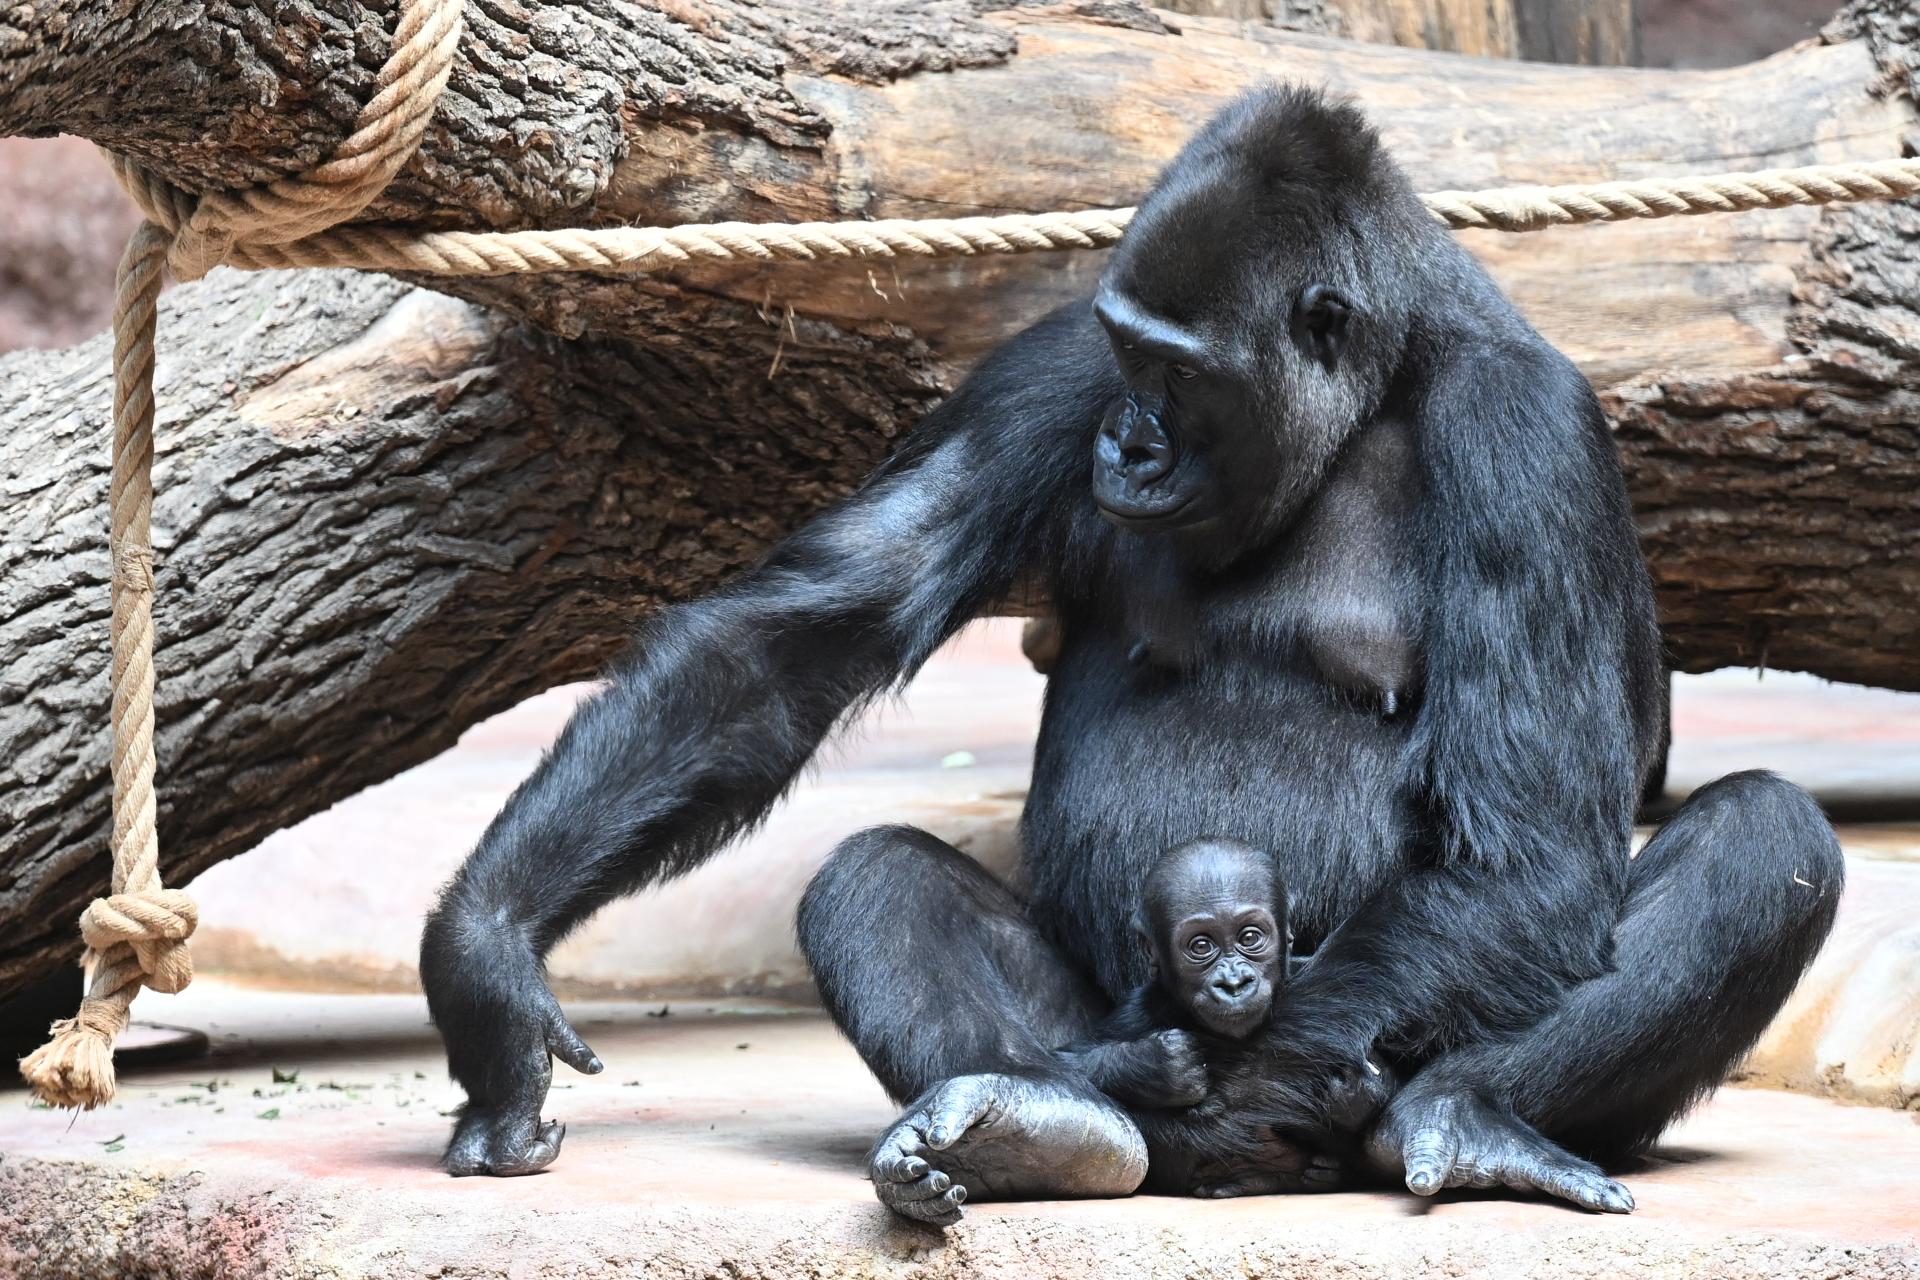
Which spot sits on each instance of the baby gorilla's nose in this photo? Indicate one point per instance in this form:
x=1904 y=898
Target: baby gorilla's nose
x=1235 y=982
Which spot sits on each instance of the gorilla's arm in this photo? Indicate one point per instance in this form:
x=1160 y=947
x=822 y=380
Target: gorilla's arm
x=1137 y=1055
x=722 y=702
x=1540 y=681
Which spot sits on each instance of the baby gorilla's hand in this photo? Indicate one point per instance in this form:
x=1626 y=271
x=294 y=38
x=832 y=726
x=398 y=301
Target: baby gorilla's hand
x=1358 y=1094
x=1178 y=1075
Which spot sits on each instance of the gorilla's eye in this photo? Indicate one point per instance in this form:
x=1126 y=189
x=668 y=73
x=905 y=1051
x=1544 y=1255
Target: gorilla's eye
x=1184 y=371
x=1200 y=946
x=1251 y=939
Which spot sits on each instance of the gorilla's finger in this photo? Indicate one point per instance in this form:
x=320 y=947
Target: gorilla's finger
x=1589 y=1188
x=564 y=1043
x=1615 y=1198
x=959 y=1107
x=941 y=1210
x=536 y=1155
x=1429 y=1159
x=895 y=1158
x=1318 y=1177
x=933 y=1185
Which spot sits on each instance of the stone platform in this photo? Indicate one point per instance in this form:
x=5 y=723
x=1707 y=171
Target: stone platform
x=726 y=1140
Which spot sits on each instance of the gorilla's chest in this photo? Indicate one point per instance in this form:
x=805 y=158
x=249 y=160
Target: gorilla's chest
x=1271 y=705
x=1228 y=725
x=1335 y=597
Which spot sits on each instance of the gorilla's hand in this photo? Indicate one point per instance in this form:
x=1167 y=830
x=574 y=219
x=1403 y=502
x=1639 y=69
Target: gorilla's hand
x=1003 y=1137
x=502 y=1029
x=1357 y=1095
x=1175 y=1075
x=1286 y=1168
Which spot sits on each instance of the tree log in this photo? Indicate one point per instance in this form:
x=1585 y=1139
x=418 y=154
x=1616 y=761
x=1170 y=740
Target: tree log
x=1594 y=32
x=384 y=513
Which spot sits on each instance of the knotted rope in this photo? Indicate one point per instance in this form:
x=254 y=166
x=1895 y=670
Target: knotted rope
x=137 y=936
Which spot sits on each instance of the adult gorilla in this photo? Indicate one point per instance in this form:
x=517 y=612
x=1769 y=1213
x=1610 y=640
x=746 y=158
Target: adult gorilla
x=1355 y=581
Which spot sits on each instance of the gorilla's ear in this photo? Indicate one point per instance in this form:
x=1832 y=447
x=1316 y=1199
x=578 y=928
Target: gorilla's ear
x=1144 y=936
x=1320 y=316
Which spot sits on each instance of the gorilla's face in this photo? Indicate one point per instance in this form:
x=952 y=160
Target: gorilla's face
x=1214 y=918
x=1227 y=422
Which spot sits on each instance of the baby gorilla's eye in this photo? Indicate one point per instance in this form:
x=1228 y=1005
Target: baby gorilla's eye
x=1184 y=371
x=1251 y=939
x=1200 y=946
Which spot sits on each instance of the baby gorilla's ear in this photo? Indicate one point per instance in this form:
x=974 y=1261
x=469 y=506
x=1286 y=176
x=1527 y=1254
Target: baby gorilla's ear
x=1143 y=934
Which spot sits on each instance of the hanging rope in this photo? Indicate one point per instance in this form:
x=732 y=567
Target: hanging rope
x=137 y=936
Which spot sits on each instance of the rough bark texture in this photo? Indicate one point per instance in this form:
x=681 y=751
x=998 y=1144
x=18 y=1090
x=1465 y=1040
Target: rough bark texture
x=1781 y=508
x=384 y=513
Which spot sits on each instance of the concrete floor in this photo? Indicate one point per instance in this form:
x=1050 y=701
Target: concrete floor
x=726 y=1140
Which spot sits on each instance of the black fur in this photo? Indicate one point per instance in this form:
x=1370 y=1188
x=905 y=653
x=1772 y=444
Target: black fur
x=1407 y=644
x=1213 y=922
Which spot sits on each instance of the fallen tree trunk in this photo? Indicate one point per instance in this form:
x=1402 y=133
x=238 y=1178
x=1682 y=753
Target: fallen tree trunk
x=384 y=513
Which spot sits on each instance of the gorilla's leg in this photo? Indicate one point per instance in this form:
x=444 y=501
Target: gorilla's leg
x=1726 y=906
x=932 y=968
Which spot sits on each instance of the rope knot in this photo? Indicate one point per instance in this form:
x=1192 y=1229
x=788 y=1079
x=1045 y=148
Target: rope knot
x=209 y=228
x=155 y=924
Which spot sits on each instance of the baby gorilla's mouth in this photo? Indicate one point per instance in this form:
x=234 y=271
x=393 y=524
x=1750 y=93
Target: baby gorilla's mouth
x=1235 y=1018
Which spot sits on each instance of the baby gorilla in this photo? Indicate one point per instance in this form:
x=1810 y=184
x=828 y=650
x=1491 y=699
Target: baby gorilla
x=1214 y=921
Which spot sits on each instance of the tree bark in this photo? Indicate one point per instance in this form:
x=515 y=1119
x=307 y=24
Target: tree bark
x=384 y=513
x=1593 y=32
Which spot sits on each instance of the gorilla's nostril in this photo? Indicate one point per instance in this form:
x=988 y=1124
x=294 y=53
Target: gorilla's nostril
x=1233 y=984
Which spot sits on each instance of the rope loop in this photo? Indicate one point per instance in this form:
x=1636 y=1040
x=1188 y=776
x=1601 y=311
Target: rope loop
x=209 y=228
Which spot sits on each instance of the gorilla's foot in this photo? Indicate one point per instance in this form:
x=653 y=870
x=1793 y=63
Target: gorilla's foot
x=1456 y=1140
x=1004 y=1137
x=1314 y=1171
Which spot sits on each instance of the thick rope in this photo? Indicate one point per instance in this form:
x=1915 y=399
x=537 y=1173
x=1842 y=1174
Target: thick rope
x=137 y=936
x=390 y=247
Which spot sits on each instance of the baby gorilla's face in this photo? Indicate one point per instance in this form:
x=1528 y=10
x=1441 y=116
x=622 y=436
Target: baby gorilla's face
x=1216 y=918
